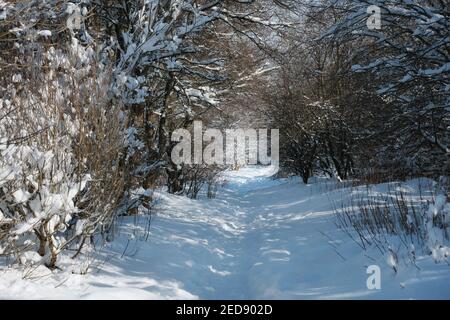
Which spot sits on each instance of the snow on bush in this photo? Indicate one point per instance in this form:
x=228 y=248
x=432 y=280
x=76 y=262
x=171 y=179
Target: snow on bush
x=436 y=226
x=38 y=190
x=40 y=177
x=399 y=224
x=60 y=143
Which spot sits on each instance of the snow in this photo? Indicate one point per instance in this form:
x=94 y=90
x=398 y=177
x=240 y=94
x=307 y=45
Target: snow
x=17 y=78
x=206 y=94
x=261 y=238
x=21 y=195
x=44 y=33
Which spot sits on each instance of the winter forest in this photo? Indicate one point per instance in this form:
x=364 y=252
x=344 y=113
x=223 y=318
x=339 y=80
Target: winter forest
x=224 y=149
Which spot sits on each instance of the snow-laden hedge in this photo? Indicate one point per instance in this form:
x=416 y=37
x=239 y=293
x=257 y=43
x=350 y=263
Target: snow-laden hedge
x=61 y=145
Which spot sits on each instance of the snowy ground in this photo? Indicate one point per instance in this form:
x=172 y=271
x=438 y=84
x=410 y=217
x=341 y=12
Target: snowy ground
x=259 y=239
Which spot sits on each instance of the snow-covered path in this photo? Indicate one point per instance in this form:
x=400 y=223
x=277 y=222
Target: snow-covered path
x=263 y=238
x=260 y=238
